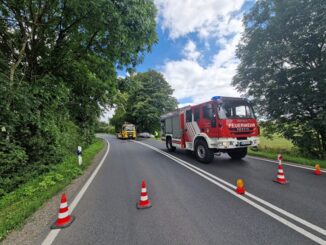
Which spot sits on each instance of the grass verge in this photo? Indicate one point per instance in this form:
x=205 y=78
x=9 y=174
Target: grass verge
x=270 y=147
x=18 y=205
x=287 y=157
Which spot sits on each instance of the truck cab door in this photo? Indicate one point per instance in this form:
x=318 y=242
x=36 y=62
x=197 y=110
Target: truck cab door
x=208 y=123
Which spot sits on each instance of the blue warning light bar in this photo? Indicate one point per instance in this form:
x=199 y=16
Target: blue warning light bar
x=216 y=98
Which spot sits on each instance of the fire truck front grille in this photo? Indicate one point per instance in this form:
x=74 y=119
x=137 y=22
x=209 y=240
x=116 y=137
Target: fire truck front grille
x=242 y=138
x=241 y=131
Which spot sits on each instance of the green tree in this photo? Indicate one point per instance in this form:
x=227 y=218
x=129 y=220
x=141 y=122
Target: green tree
x=119 y=116
x=148 y=97
x=283 y=68
x=148 y=100
x=58 y=62
x=76 y=41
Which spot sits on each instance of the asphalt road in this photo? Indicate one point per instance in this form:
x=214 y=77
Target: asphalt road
x=195 y=207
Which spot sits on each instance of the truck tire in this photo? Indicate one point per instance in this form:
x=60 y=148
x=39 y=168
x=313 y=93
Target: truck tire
x=202 y=152
x=238 y=154
x=169 y=145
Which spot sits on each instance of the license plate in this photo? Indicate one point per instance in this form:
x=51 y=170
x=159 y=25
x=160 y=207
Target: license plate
x=247 y=142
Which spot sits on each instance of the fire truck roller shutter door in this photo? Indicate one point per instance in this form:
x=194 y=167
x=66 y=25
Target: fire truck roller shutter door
x=168 y=126
x=177 y=132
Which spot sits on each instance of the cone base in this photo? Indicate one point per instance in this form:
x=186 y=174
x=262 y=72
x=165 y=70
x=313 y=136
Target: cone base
x=55 y=226
x=317 y=173
x=281 y=182
x=144 y=206
x=240 y=191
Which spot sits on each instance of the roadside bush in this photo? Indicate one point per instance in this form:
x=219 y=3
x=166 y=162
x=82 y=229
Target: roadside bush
x=307 y=140
x=13 y=166
x=19 y=204
x=111 y=130
x=69 y=138
x=102 y=127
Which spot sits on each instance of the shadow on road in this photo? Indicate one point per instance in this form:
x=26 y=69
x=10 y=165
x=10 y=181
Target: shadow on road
x=219 y=161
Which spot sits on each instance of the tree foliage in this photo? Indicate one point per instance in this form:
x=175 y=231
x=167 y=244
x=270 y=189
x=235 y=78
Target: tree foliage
x=58 y=62
x=283 y=68
x=143 y=99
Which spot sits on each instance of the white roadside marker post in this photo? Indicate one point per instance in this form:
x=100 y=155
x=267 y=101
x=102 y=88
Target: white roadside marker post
x=79 y=155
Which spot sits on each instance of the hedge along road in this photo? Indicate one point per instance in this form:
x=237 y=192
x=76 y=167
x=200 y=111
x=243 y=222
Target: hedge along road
x=191 y=206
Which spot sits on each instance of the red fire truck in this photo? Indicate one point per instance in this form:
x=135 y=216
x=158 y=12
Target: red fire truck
x=223 y=124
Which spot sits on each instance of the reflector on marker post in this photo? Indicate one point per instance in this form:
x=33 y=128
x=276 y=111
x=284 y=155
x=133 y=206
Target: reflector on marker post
x=79 y=155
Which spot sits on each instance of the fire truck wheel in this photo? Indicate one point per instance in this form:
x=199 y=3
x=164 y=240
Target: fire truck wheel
x=202 y=152
x=238 y=154
x=169 y=145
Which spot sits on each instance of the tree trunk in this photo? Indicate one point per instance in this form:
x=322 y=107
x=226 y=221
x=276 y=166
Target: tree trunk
x=14 y=66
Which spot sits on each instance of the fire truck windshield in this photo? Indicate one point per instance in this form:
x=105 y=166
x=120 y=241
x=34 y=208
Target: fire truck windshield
x=232 y=109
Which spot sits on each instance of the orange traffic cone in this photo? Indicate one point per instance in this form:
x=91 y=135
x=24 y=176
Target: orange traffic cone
x=317 y=170
x=240 y=187
x=144 y=201
x=280 y=173
x=64 y=219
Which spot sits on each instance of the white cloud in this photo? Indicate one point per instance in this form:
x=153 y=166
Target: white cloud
x=210 y=20
x=226 y=55
x=107 y=115
x=184 y=105
x=190 y=79
x=190 y=51
x=205 y=17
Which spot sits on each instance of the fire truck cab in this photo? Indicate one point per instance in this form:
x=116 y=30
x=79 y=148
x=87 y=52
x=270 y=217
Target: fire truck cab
x=223 y=124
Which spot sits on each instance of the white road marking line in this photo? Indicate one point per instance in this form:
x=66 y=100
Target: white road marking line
x=210 y=178
x=289 y=215
x=286 y=213
x=53 y=233
x=288 y=164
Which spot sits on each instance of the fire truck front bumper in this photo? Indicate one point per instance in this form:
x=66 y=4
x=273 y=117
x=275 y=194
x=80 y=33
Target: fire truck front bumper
x=230 y=143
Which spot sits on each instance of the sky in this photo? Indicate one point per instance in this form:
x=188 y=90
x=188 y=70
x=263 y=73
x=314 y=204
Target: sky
x=196 y=47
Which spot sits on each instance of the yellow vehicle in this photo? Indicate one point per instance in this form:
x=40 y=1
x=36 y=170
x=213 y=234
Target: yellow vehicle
x=128 y=131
